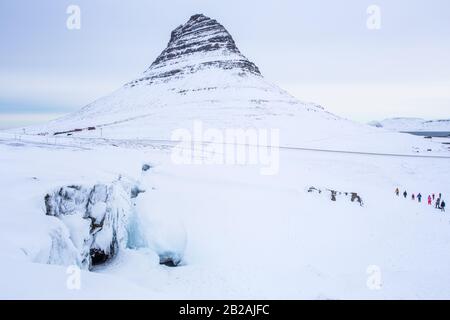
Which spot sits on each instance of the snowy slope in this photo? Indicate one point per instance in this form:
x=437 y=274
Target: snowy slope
x=248 y=235
x=201 y=75
x=413 y=124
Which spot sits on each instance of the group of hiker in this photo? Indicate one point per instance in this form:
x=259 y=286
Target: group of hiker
x=439 y=203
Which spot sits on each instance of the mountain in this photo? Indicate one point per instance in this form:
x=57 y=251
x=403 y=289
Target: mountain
x=202 y=75
x=412 y=124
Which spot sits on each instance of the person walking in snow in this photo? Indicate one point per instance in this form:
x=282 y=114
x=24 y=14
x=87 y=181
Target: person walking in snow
x=397 y=192
x=443 y=205
x=419 y=197
x=438 y=203
x=405 y=194
x=429 y=200
x=412 y=197
x=433 y=196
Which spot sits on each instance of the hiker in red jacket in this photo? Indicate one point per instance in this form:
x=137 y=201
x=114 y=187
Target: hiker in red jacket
x=429 y=200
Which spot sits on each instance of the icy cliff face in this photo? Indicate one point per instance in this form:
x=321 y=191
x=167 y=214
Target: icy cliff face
x=96 y=218
x=95 y=222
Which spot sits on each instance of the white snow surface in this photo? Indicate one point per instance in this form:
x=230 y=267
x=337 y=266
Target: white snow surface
x=244 y=235
x=237 y=233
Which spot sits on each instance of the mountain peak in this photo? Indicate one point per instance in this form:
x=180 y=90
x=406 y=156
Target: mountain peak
x=198 y=34
x=197 y=16
x=201 y=43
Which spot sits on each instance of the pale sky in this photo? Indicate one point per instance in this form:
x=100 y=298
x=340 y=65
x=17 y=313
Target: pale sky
x=320 y=51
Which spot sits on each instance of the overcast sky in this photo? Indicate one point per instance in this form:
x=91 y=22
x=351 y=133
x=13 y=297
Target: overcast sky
x=320 y=51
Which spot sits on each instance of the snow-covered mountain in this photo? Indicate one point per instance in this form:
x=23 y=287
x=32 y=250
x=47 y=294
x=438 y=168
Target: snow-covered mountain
x=412 y=124
x=202 y=75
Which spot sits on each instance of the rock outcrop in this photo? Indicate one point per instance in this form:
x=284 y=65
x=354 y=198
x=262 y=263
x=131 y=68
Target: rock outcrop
x=333 y=195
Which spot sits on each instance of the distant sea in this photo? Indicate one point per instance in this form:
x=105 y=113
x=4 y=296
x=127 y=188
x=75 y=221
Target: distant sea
x=16 y=120
x=435 y=134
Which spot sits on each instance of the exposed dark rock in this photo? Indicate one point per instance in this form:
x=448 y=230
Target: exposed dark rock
x=98 y=257
x=135 y=191
x=357 y=198
x=168 y=263
x=201 y=37
x=334 y=195
x=170 y=259
x=313 y=189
